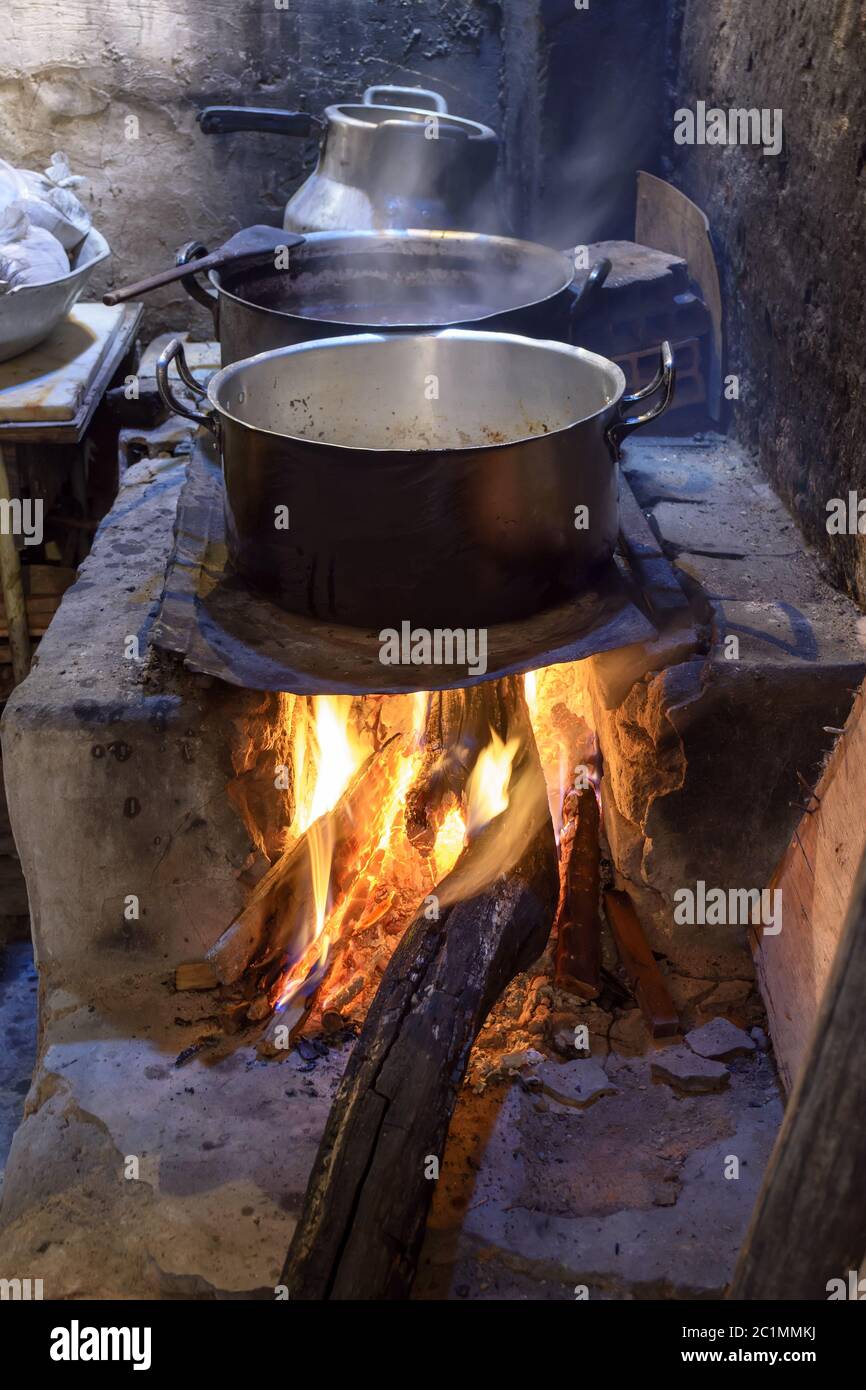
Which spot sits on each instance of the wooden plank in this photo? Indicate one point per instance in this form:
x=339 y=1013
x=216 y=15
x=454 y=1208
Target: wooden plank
x=43 y=580
x=71 y=430
x=50 y=382
x=669 y=221
x=809 y=1222
x=196 y=974
x=815 y=877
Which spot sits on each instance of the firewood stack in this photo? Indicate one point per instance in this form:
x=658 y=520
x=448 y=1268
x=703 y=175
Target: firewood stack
x=486 y=921
x=363 y=1219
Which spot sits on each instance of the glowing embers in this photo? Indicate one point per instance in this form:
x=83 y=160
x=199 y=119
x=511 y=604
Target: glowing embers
x=390 y=798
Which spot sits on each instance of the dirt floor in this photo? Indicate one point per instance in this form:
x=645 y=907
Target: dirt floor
x=565 y=1176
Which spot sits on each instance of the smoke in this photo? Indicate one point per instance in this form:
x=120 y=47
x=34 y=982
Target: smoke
x=591 y=177
x=403 y=280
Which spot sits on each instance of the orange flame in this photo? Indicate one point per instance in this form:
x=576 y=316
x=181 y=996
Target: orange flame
x=326 y=755
x=487 y=792
x=337 y=757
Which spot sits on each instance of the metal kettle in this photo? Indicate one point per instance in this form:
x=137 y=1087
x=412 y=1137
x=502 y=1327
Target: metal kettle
x=383 y=166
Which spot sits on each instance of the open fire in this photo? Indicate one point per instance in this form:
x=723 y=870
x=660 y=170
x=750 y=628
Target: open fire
x=359 y=771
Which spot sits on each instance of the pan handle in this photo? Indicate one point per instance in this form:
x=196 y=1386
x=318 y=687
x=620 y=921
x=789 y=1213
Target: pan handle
x=223 y=120
x=434 y=100
x=665 y=381
x=173 y=350
x=189 y=253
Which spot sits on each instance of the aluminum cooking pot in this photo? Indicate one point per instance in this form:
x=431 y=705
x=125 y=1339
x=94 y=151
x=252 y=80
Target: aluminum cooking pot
x=408 y=163
x=435 y=478
x=363 y=282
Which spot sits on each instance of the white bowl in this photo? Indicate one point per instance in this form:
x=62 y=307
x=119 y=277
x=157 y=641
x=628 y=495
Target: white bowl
x=28 y=314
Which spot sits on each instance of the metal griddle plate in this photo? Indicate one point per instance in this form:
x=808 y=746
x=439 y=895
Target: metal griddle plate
x=219 y=627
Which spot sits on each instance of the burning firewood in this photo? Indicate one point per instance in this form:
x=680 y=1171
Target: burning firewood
x=640 y=965
x=363 y=1219
x=458 y=725
x=262 y=934
x=577 y=924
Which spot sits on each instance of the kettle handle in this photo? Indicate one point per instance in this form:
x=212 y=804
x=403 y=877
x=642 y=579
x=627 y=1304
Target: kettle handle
x=223 y=120
x=434 y=99
x=664 y=380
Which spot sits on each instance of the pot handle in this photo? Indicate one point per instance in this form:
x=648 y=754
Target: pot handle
x=222 y=120
x=434 y=100
x=664 y=380
x=189 y=253
x=173 y=350
x=587 y=293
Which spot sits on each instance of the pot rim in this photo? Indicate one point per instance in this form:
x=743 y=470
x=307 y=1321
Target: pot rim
x=224 y=375
x=342 y=113
x=418 y=234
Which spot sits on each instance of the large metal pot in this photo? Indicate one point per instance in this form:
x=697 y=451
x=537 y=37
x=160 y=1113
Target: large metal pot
x=383 y=166
x=434 y=478
x=366 y=282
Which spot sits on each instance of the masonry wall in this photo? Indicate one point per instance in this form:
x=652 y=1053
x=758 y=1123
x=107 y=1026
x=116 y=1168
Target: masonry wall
x=577 y=96
x=789 y=232
x=72 y=75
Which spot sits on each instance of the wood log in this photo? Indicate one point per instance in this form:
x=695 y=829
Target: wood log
x=263 y=931
x=578 y=924
x=809 y=1222
x=640 y=965
x=363 y=1219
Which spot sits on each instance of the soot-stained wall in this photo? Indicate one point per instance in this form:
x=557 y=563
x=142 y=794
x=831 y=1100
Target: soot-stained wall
x=601 y=115
x=791 y=237
x=575 y=93
x=72 y=76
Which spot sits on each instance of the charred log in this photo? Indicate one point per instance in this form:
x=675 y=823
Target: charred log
x=363 y=1219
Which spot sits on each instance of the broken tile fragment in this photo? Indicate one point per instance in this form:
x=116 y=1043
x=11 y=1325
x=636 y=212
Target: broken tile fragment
x=720 y=1038
x=576 y=1083
x=686 y=1071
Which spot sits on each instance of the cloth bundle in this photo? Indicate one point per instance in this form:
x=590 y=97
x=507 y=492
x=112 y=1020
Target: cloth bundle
x=42 y=223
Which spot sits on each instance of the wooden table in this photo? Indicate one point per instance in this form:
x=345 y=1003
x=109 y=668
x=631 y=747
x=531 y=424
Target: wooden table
x=48 y=396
